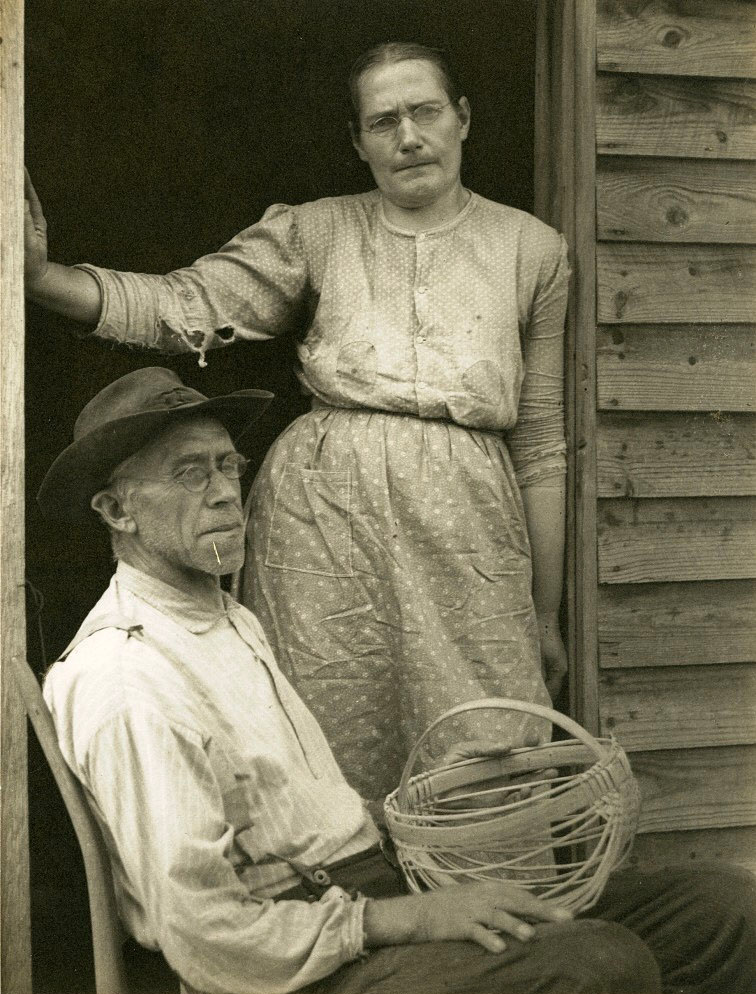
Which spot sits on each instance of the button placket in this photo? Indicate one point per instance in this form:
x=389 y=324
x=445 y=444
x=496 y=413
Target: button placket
x=289 y=702
x=422 y=315
x=421 y=284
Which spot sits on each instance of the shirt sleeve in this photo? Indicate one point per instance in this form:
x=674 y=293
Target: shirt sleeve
x=160 y=800
x=251 y=288
x=536 y=443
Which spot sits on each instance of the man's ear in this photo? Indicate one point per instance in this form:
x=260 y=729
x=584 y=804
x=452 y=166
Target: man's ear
x=356 y=141
x=113 y=513
x=463 y=113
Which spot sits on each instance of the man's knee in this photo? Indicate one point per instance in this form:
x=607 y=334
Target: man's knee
x=722 y=893
x=723 y=883
x=598 y=957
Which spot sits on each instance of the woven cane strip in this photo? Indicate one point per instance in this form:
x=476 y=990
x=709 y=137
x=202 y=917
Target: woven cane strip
x=586 y=814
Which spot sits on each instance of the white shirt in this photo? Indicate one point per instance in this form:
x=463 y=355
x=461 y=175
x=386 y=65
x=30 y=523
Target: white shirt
x=211 y=780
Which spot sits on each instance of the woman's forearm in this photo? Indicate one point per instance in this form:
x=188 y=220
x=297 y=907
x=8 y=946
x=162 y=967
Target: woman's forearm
x=545 y=515
x=74 y=293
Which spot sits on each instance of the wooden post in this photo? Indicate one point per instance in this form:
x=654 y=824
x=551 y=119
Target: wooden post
x=584 y=317
x=15 y=942
x=563 y=218
x=569 y=206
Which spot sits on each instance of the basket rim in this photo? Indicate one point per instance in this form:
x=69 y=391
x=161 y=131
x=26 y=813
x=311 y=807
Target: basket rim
x=575 y=794
x=500 y=703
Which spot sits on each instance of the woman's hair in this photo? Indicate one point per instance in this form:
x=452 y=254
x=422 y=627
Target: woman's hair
x=390 y=52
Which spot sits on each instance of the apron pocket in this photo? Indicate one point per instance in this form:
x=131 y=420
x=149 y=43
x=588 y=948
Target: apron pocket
x=310 y=529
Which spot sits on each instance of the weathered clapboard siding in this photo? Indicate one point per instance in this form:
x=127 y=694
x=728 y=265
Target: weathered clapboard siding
x=696 y=788
x=676 y=283
x=677 y=624
x=676 y=392
x=675 y=200
x=680 y=707
x=676 y=455
x=696 y=38
x=642 y=541
x=656 y=850
x=675 y=116
x=677 y=367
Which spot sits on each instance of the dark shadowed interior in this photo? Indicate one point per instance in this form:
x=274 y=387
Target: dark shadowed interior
x=156 y=130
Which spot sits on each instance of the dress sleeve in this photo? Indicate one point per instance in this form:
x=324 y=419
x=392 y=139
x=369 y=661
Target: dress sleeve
x=537 y=443
x=251 y=288
x=156 y=792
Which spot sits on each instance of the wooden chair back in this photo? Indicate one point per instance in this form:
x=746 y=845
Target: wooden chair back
x=110 y=975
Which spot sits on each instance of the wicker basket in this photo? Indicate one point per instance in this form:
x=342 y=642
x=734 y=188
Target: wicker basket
x=563 y=820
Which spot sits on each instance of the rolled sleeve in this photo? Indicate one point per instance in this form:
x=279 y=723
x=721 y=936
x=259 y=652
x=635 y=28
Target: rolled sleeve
x=251 y=288
x=537 y=443
x=156 y=792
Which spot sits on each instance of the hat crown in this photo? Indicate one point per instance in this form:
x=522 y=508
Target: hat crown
x=123 y=417
x=140 y=392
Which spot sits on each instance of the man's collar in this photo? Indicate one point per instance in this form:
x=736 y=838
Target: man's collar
x=181 y=607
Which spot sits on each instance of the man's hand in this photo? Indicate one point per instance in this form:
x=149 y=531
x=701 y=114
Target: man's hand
x=35 y=236
x=553 y=653
x=478 y=912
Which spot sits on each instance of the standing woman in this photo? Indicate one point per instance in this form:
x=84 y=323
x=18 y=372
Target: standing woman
x=405 y=539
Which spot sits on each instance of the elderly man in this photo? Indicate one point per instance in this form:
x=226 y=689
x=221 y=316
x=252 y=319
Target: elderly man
x=238 y=849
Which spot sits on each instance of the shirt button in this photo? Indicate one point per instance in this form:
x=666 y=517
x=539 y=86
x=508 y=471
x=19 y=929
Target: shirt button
x=422 y=289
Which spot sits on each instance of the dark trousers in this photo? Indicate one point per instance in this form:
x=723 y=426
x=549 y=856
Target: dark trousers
x=687 y=930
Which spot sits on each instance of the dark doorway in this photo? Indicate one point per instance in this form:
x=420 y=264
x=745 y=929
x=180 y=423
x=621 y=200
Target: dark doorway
x=155 y=130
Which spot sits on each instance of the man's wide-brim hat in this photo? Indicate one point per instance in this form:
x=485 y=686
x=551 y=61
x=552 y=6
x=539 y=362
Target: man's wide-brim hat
x=123 y=417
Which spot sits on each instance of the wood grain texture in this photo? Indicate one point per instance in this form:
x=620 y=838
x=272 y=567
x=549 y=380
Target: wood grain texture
x=696 y=38
x=696 y=788
x=677 y=624
x=657 y=850
x=15 y=954
x=676 y=200
x=675 y=116
x=646 y=541
x=677 y=367
x=676 y=455
x=675 y=707
x=584 y=308
x=563 y=218
x=675 y=283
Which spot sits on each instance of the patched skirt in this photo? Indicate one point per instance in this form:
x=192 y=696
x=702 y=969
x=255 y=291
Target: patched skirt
x=389 y=565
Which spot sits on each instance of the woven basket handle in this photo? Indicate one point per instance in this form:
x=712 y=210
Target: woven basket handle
x=504 y=703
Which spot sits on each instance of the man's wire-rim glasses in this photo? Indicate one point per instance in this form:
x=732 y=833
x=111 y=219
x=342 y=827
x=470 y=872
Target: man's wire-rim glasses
x=196 y=477
x=423 y=115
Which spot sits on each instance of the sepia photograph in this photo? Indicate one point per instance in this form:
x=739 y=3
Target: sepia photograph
x=378 y=546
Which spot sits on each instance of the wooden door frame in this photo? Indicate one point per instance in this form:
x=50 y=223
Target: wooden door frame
x=15 y=932
x=565 y=196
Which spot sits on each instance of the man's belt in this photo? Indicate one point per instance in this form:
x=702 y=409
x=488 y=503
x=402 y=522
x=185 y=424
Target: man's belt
x=351 y=874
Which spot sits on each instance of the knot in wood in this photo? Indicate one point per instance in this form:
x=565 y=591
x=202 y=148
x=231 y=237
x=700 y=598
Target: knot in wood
x=677 y=216
x=620 y=302
x=673 y=37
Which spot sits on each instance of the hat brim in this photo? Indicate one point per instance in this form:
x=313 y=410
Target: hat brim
x=85 y=466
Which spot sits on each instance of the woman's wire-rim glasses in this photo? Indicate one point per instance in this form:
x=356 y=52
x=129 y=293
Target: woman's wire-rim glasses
x=423 y=115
